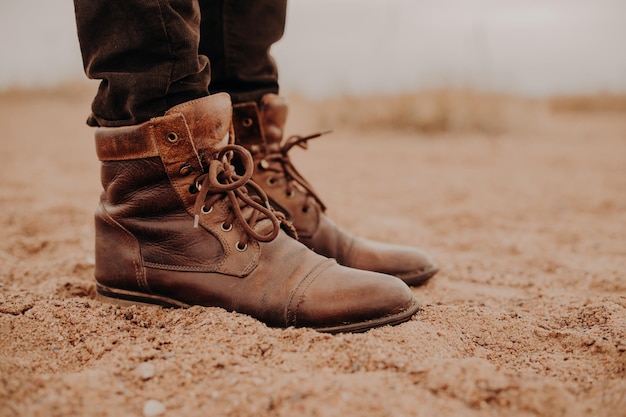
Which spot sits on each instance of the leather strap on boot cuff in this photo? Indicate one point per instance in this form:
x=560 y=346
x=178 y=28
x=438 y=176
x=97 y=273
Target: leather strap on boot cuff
x=201 y=124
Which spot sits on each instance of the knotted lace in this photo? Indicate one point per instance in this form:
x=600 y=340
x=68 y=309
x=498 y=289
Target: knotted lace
x=286 y=167
x=222 y=181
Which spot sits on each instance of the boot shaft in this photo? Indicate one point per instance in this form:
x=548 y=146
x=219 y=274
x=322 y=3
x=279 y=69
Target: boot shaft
x=260 y=129
x=149 y=190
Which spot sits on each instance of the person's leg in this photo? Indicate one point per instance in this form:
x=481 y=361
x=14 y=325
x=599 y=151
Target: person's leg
x=177 y=224
x=237 y=36
x=146 y=54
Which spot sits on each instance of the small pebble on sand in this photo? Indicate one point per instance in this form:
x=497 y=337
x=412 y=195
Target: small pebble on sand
x=145 y=371
x=153 y=408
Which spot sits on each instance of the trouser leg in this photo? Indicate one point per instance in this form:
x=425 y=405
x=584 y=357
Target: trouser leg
x=236 y=36
x=146 y=54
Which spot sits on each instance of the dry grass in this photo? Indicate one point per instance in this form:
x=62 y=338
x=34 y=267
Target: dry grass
x=429 y=112
x=448 y=110
x=596 y=103
x=432 y=112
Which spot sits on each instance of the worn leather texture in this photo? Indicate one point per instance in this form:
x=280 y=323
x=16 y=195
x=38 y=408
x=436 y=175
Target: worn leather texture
x=148 y=247
x=260 y=128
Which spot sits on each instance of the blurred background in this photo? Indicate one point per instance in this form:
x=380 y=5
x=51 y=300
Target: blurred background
x=535 y=48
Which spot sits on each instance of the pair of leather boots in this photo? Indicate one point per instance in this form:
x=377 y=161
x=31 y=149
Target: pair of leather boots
x=188 y=217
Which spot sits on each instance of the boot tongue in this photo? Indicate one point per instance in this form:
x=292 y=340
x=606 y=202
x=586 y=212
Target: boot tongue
x=273 y=114
x=208 y=120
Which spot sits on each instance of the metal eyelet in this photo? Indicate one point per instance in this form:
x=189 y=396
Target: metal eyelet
x=305 y=209
x=204 y=210
x=271 y=181
x=247 y=122
x=291 y=194
x=172 y=137
x=185 y=169
x=263 y=164
x=193 y=189
x=241 y=248
x=227 y=229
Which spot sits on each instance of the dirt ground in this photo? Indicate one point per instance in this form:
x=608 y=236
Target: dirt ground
x=526 y=318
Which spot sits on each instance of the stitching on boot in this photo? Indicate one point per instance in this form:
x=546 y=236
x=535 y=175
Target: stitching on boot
x=350 y=250
x=304 y=284
x=171 y=267
x=184 y=105
x=140 y=277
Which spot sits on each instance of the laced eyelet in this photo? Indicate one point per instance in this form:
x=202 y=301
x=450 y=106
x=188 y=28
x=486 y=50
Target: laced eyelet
x=241 y=248
x=291 y=194
x=206 y=210
x=263 y=164
x=172 y=137
x=271 y=181
x=193 y=189
x=185 y=169
x=227 y=229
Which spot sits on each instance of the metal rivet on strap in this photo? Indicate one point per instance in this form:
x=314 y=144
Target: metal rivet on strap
x=172 y=137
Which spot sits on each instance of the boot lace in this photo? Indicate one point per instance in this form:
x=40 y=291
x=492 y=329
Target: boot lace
x=280 y=163
x=222 y=181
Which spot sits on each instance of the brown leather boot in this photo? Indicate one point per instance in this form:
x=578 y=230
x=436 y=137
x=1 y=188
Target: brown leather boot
x=180 y=225
x=260 y=130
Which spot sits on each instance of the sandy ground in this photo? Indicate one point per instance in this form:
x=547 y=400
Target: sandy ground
x=526 y=318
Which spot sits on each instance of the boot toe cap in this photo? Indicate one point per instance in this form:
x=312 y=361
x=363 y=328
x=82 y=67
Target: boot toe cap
x=346 y=300
x=411 y=265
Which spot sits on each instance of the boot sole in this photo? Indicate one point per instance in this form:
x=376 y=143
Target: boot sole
x=367 y=325
x=419 y=279
x=126 y=298
x=129 y=298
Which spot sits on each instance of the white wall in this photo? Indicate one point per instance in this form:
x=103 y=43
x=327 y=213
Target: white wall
x=38 y=44
x=536 y=47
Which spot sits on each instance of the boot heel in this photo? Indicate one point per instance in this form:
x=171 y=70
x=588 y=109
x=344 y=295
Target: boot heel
x=126 y=298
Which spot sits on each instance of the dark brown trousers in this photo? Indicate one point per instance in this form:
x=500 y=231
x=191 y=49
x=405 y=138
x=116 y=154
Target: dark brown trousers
x=151 y=55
